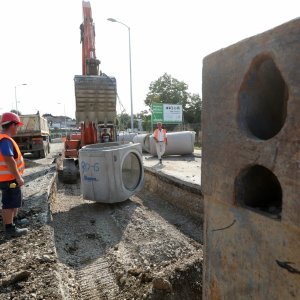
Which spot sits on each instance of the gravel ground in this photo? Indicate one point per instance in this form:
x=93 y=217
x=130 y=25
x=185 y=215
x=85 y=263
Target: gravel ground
x=143 y=248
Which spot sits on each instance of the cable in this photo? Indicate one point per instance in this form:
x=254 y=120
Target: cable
x=122 y=108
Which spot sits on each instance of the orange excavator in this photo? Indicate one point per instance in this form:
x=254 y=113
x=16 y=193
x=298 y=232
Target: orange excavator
x=96 y=95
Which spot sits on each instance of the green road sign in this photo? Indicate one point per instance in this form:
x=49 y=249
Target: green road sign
x=157 y=112
x=166 y=113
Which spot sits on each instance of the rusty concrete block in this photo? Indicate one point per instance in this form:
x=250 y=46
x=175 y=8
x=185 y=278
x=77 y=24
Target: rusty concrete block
x=251 y=167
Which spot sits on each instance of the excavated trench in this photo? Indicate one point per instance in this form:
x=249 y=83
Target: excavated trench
x=143 y=248
x=147 y=247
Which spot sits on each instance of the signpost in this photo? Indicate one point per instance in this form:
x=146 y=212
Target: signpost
x=157 y=112
x=172 y=113
x=166 y=113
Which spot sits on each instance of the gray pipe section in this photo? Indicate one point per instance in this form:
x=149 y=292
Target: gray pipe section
x=111 y=172
x=179 y=143
x=144 y=140
x=126 y=136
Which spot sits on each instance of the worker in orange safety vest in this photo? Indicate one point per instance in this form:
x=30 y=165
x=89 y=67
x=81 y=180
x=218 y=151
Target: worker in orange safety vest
x=160 y=137
x=11 y=169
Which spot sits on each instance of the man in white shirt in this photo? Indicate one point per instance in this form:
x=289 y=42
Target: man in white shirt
x=160 y=137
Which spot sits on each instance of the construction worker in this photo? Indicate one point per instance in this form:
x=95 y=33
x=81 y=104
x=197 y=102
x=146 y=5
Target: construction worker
x=11 y=169
x=160 y=137
x=105 y=136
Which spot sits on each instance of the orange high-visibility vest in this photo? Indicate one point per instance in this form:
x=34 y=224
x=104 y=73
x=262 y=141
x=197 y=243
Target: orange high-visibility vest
x=5 y=174
x=156 y=134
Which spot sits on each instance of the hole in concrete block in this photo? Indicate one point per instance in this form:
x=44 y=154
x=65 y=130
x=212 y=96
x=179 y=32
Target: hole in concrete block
x=263 y=98
x=258 y=188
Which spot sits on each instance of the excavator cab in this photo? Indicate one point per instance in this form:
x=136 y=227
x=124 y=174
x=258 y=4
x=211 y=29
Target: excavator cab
x=107 y=133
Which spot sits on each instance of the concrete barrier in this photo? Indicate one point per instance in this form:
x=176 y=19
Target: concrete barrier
x=250 y=167
x=185 y=196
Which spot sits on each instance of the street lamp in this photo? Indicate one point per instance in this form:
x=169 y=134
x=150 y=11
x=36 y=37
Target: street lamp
x=114 y=20
x=16 y=96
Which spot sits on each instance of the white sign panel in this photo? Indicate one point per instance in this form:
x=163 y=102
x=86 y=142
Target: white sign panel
x=172 y=113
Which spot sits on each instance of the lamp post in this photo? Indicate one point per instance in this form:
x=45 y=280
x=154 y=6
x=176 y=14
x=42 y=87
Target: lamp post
x=130 y=73
x=16 y=96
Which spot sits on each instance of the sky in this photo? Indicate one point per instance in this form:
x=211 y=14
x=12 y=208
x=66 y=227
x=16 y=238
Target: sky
x=40 y=45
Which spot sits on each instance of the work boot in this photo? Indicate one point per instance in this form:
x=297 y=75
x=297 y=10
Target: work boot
x=20 y=222
x=12 y=231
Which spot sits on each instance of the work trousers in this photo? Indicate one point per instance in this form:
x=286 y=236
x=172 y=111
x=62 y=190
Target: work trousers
x=160 y=149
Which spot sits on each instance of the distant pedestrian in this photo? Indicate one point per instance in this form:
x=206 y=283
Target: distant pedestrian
x=160 y=137
x=11 y=169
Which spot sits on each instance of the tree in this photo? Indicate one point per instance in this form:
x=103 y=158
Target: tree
x=123 y=121
x=171 y=91
x=167 y=90
x=146 y=117
x=193 y=110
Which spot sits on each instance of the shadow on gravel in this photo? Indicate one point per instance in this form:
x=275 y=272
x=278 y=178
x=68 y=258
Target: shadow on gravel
x=185 y=157
x=86 y=231
x=189 y=226
x=43 y=172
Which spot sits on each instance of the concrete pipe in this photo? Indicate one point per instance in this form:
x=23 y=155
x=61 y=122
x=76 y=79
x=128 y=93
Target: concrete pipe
x=179 y=143
x=143 y=139
x=126 y=136
x=111 y=172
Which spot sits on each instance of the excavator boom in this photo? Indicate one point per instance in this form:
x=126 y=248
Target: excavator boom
x=90 y=64
x=95 y=95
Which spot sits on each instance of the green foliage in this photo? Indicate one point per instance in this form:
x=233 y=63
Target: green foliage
x=146 y=117
x=171 y=91
x=168 y=90
x=123 y=122
x=192 y=113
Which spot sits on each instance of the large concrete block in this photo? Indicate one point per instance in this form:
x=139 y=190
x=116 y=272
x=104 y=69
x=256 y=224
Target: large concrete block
x=251 y=167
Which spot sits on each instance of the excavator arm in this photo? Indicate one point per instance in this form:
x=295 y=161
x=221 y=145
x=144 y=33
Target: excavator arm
x=95 y=94
x=96 y=97
x=90 y=64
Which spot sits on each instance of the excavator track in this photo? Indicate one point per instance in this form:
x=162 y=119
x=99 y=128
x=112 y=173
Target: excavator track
x=70 y=170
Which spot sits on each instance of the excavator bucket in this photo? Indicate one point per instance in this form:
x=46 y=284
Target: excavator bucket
x=96 y=98
x=95 y=104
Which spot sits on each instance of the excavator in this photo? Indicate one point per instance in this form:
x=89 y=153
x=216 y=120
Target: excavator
x=96 y=95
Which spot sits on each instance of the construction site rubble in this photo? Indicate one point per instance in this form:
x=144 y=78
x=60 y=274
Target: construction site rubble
x=142 y=248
